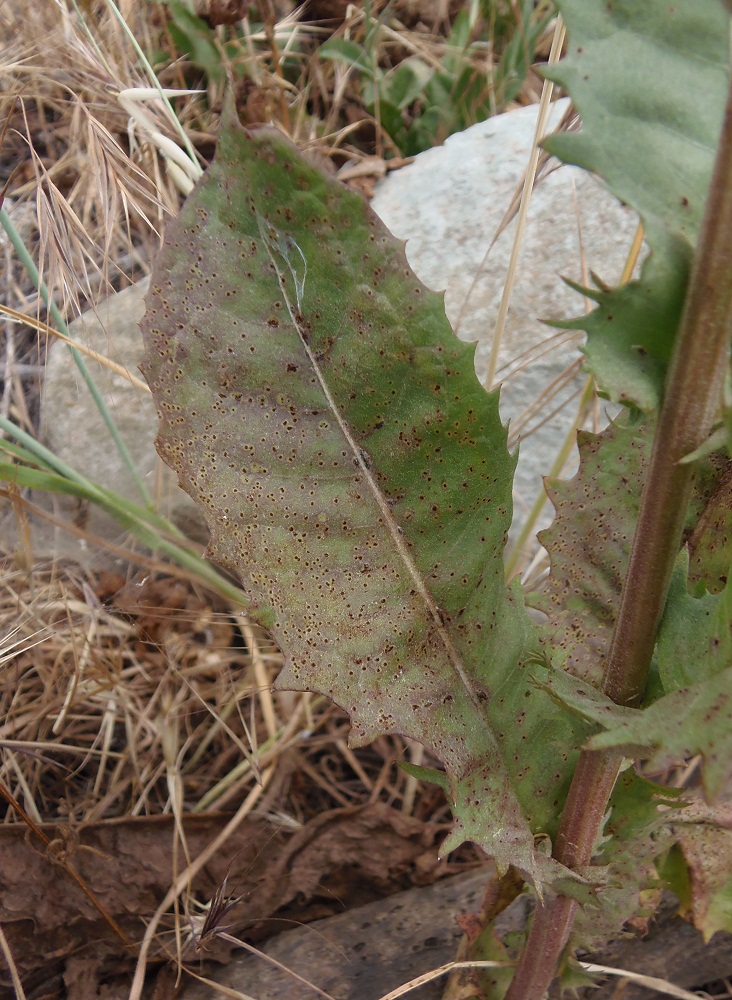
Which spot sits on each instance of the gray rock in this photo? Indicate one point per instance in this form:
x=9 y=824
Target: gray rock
x=365 y=952
x=72 y=427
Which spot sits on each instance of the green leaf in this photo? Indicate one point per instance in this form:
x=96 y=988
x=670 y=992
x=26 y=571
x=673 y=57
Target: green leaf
x=693 y=656
x=636 y=833
x=402 y=85
x=459 y=39
x=716 y=440
x=582 y=698
x=695 y=636
x=650 y=130
x=429 y=774
x=24 y=455
x=518 y=53
x=355 y=475
x=422 y=133
x=589 y=545
x=194 y=37
x=694 y=644
x=347 y=51
x=389 y=116
x=674 y=874
x=692 y=720
x=36 y=479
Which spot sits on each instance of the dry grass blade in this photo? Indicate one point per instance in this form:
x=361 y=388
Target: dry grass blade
x=219 y=990
x=41 y=327
x=185 y=877
x=443 y=970
x=521 y=426
x=278 y=965
x=12 y=968
x=649 y=982
x=541 y=121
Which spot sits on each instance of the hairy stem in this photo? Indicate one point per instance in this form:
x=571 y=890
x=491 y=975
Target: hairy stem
x=691 y=402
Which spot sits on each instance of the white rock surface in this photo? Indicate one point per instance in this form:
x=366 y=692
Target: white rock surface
x=448 y=204
x=72 y=427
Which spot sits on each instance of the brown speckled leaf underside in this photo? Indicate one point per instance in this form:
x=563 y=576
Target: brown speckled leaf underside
x=589 y=545
x=355 y=476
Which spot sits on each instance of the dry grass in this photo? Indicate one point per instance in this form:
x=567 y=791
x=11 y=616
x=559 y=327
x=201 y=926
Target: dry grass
x=146 y=697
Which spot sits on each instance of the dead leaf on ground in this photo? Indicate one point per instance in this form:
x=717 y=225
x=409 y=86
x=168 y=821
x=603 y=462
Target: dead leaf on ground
x=705 y=839
x=216 y=12
x=340 y=859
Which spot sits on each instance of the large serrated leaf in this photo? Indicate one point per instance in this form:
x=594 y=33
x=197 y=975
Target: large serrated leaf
x=355 y=476
x=650 y=130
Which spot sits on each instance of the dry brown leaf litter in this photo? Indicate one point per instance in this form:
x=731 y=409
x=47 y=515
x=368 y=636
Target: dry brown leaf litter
x=128 y=705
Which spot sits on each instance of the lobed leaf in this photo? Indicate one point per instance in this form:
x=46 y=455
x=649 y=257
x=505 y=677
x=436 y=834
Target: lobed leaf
x=589 y=545
x=636 y=833
x=695 y=636
x=694 y=652
x=355 y=476
x=692 y=720
x=704 y=835
x=650 y=131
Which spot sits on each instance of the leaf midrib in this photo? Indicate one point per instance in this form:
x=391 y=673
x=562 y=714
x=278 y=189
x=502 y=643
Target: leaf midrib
x=393 y=527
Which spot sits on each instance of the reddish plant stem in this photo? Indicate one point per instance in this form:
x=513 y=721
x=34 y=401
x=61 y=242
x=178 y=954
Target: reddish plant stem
x=691 y=401
x=581 y=822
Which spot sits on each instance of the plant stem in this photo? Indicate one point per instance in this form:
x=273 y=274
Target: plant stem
x=691 y=401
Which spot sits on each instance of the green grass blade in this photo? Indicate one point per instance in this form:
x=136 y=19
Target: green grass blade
x=29 y=264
